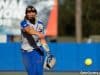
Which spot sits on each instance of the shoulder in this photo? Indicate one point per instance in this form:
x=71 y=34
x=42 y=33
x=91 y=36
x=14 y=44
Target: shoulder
x=40 y=26
x=40 y=22
x=24 y=23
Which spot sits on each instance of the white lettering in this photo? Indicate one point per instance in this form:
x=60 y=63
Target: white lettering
x=12 y=9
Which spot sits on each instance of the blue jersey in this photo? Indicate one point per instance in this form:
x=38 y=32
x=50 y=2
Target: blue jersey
x=29 y=42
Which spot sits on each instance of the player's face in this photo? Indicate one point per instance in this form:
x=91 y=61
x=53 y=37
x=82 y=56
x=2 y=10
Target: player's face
x=31 y=15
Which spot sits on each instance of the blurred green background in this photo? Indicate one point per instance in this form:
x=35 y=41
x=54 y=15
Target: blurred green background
x=90 y=19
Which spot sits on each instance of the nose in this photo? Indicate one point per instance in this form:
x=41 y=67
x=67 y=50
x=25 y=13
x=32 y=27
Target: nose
x=33 y=14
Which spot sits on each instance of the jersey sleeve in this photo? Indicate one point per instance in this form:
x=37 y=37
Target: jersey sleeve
x=41 y=27
x=24 y=24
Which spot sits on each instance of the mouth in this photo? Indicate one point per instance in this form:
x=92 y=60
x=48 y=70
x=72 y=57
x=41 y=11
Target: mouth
x=31 y=17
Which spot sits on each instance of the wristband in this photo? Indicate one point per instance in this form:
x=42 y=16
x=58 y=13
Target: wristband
x=45 y=46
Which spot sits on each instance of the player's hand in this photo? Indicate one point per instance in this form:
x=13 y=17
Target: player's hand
x=49 y=55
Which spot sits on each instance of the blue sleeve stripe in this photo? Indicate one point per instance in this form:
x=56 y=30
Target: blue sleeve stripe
x=40 y=22
x=24 y=24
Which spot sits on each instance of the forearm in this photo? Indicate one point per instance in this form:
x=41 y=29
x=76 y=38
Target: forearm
x=31 y=31
x=45 y=45
x=42 y=40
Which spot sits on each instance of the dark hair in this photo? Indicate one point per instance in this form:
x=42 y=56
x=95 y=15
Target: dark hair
x=30 y=8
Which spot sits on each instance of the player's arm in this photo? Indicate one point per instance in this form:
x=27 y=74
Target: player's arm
x=31 y=31
x=43 y=40
x=45 y=45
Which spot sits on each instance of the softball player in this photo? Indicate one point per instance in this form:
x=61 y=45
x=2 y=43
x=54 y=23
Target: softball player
x=33 y=42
